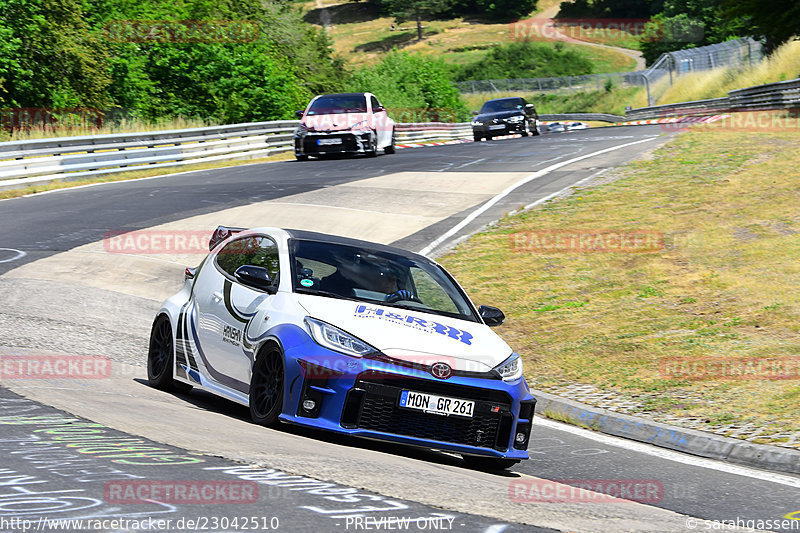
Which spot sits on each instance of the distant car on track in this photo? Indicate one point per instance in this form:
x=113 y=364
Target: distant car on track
x=577 y=126
x=346 y=123
x=556 y=127
x=505 y=116
x=348 y=336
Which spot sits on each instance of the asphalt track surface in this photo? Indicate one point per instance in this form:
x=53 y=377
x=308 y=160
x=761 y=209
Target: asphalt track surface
x=39 y=226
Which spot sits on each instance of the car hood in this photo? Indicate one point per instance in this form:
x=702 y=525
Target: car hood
x=486 y=117
x=334 y=122
x=412 y=336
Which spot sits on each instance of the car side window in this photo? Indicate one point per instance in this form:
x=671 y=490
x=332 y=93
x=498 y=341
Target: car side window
x=374 y=103
x=254 y=250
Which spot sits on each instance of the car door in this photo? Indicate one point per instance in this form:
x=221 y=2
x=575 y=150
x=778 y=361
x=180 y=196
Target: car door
x=383 y=125
x=226 y=309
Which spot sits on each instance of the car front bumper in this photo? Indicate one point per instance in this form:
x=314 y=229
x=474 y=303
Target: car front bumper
x=500 y=128
x=360 y=397
x=314 y=143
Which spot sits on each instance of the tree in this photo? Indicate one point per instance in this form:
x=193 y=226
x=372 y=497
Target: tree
x=49 y=57
x=413 y=88
x=776 y=21
x=406 y=10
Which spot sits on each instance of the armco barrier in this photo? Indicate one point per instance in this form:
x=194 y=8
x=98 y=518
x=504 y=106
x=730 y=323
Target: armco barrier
x=39 y=161
x=779 y=95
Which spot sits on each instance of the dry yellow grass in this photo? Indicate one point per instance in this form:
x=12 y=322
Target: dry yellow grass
x=361 y=37
x=784 y=64
x=124 y=126
x=725 y=287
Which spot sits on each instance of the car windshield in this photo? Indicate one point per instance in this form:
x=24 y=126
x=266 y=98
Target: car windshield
x=340 y=103
x=356 y=273
x=494 y=106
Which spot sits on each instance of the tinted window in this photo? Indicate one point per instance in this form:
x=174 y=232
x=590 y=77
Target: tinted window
x=349 y=272
x=374 y=102
x=336 y=104
x=493 y=106
x=251 y=250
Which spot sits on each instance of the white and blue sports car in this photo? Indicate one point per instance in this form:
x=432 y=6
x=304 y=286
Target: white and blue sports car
x=344 y=335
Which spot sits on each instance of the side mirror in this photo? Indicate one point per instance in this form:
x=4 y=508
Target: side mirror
x=379 y=109
x=474 y=113
x=255 y=277
x=299 y=114
x=491 y=315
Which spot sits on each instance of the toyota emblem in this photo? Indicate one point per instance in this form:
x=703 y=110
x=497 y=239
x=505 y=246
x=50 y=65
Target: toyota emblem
x=441 y=370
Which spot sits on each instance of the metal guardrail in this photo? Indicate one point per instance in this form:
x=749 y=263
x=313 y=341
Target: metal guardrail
x=38 y=161
x=582 y=117
x=779 y=95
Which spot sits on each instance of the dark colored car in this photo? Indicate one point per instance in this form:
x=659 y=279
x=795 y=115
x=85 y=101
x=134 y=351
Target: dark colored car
x=505 y=116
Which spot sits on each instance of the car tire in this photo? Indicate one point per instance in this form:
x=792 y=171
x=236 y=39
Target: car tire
x=488 y=137
x=535 y=130
x=477 y=138
x=526 y=130
x=392 y=148
x=161 y=356
x=301 y=157
x=488 y=463
x=266 y=385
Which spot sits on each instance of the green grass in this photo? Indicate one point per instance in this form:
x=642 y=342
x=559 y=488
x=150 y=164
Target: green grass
x=725 y=286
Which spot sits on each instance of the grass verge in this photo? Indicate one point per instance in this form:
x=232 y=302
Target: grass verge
x=724 y=289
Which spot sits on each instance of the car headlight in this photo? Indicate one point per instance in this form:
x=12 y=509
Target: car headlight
x=511 y=368
x=337 y=340
x=518 y=118
x=477 y=123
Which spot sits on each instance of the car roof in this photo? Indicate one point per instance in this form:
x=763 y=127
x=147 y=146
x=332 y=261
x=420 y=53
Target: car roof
x=506 y=98
x=343 y=94
x=305 y=235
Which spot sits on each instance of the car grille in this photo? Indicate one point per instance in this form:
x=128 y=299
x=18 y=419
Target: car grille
x=348 y=144
x=373 y=404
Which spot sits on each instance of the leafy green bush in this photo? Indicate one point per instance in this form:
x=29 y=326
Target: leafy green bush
x=412 y=87
x=526 y=59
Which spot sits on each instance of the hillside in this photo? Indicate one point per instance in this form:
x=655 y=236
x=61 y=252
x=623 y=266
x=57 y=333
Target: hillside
x=361 y=36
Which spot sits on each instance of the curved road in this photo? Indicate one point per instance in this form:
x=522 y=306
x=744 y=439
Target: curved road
x=64 y=294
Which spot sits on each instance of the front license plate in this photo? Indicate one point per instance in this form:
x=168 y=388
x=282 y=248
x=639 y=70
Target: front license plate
x=498 y=127
x=325 y=142
x=438 y=405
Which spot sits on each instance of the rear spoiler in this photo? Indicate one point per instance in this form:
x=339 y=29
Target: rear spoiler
x=222 y=233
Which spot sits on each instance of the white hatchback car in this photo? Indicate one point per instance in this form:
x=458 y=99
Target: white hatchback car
x=345 y=123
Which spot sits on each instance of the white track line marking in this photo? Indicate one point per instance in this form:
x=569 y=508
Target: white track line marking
x=20 y=255
x=538 y=174
x=671 y=455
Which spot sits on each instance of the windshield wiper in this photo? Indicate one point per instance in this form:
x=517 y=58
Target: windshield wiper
x=316 y=292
